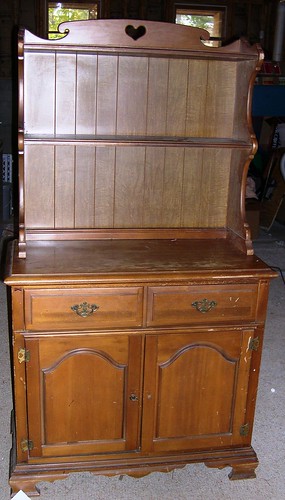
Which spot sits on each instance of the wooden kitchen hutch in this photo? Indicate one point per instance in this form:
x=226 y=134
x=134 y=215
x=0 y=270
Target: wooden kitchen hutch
x=138 y=306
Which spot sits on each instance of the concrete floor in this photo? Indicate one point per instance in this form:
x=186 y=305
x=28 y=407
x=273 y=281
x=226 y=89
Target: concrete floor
x=195 y=482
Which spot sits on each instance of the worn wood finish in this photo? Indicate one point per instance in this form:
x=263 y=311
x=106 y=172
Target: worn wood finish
x=216 y=374
x=139 y=354
x=129 y=261
x=52 y=309
x=138 y=307
x=53 y=376
x=171 y=305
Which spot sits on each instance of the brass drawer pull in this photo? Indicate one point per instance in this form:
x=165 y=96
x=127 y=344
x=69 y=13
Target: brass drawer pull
x=204 y=305
x=84 y=309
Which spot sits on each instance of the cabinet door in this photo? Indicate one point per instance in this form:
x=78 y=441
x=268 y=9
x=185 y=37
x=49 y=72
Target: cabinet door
x=195 y=390
x=83 y=394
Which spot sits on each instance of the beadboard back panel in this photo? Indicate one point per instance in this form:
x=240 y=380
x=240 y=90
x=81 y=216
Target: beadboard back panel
x=127 y=187
x=106 y=95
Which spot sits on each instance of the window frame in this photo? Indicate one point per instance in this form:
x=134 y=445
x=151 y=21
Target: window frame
x=42 y=21
x=205 y=9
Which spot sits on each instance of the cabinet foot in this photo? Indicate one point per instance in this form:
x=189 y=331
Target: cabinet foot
x=29 y=484
x=243 y=463
x=243 y=471
x=28 y=487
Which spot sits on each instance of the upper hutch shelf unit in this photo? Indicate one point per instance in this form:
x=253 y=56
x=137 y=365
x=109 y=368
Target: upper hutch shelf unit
x=134 y=129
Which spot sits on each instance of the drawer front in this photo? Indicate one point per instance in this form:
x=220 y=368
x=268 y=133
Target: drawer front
x=184 y=305
x=81 y=309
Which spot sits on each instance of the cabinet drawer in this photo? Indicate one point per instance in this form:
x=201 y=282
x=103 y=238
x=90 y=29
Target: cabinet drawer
x=81 y=309
x=181 y=305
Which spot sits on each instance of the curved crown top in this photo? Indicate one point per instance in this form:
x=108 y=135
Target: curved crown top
x=128 y=33
x=135 y=34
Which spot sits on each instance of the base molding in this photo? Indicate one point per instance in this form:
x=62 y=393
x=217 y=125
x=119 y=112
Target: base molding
x=25 y=477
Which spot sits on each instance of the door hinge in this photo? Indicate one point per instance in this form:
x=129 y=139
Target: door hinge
x=244 y=430
x=23 y=355
x=254 y=344
x=26 y=445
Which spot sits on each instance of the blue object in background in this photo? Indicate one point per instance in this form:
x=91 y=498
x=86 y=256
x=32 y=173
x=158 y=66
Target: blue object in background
x=268 y=100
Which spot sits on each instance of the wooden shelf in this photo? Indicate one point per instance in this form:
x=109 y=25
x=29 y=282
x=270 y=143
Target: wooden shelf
x=94 y=140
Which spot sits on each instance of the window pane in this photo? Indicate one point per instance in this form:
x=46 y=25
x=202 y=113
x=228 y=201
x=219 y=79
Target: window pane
x=59 y=12
x=205 y=22
x=211 y=21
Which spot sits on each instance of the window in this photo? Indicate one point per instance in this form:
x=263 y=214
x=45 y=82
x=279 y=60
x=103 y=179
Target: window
x=59 y=12
x=211 y=19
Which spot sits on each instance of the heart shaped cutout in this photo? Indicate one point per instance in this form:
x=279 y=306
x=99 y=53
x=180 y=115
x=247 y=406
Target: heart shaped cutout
x=135 y=33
